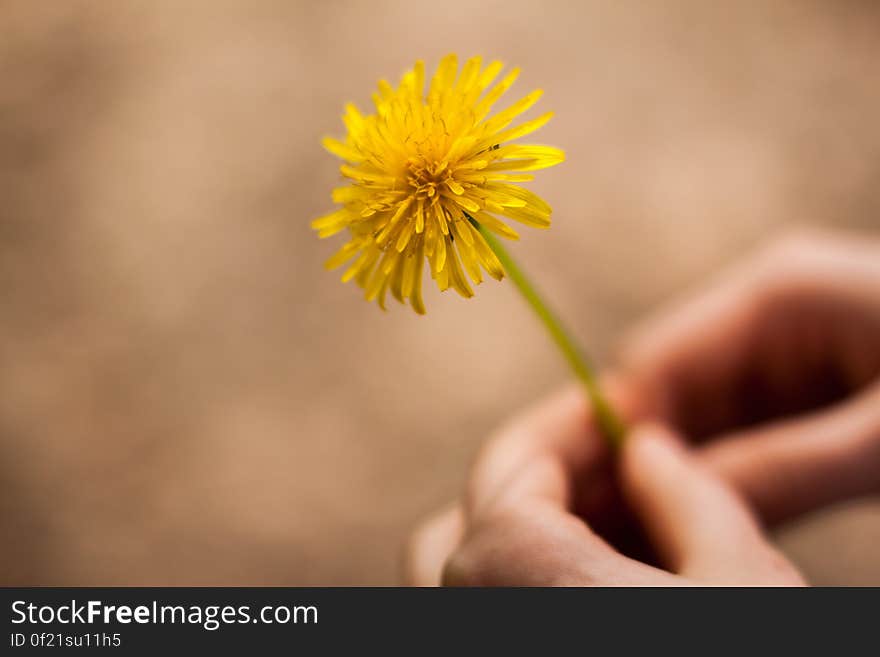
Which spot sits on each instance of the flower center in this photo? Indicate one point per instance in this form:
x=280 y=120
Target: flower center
x=425 y=177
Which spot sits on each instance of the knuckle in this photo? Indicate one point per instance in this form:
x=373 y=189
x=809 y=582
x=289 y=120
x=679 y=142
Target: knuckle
x=796 y=251
x=799 y=239
x=799 y=242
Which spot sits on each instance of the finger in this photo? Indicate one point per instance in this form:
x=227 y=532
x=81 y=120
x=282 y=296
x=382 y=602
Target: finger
x=801 y=464
x=430 y=546
x=787 y=331
x=559 y=434
x=538 y=544
x=699 y=526
x=519 y=529
x=524 y=535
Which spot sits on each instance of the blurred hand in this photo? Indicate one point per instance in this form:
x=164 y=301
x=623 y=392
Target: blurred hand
x=778 y=364
x=522 y=530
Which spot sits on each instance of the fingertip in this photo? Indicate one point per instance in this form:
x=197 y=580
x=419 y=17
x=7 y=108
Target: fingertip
x=626 y=395
x=648 y=444
x=653 y=463
x=655 y=432
x=430 y=545
x=695 y=520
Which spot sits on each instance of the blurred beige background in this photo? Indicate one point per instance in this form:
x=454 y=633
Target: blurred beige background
x=186 y=397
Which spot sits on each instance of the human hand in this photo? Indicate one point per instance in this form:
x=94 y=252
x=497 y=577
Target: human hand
x=780 y=364
x=781 y=358
x=521 y=527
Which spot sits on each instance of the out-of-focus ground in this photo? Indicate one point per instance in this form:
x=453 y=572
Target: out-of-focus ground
x=186 y=397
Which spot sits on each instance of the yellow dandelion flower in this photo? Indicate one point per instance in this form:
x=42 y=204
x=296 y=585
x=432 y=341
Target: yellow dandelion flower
x=428 y=173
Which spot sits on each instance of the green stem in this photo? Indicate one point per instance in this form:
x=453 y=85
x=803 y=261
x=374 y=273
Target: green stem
x=609 y=422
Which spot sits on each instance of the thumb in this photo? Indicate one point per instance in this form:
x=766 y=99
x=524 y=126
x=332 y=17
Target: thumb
x=696 y=522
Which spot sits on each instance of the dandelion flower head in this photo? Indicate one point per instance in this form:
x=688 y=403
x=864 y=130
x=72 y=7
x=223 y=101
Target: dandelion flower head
x=423 y=171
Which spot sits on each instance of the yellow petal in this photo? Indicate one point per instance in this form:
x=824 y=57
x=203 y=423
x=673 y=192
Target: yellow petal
x=469 y=73
x=503 y=118
x=342 y=256
x=455 y=187
x=362 y=265
x=487 y=256
x=470 y=261
x=445 y=75
x=461 y=233
x=494 y=94
x=466 y=202
x=456 y=275
x=341 y=150
x=405 y=234
x=516 y=157
x=517 y=132
x=332 y=223
x=496 y=225
x=440 y=254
